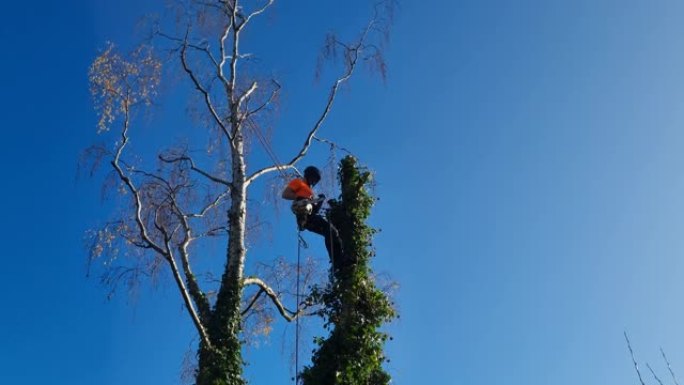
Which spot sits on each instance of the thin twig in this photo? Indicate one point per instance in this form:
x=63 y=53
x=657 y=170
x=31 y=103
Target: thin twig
x=193 y=167
x=669 y=367
x=636 y=366
x=654 y=375
x=203 y=91
x=353 y=52
x=252 y=301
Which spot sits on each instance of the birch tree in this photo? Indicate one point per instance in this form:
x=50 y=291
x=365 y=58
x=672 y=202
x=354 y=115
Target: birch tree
x=169 y=207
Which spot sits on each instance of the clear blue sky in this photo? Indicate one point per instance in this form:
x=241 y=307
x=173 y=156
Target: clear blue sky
x=529 y=159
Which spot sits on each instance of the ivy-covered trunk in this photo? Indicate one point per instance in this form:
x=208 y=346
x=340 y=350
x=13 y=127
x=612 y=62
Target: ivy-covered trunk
x=222 y=363
x=354 y=309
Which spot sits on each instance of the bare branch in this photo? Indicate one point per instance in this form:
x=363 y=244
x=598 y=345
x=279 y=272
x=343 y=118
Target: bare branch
x=669 y=367
x=353 y=57
x=654 y=374
x=184 y=42
x=232 y=9
x=636 y=366
x=217 y=64
x=256 y=13
x=217 y=201
x=203 y=91
x=214 y=232
x=222 y=47
x=246 y=95
x=287 y=314
x=131 y=187
x=186 y=295
x=332 y=144
x=252 y=301
x=234 y=58
x=267 y=103
x=166 y=250
x=193 y=167
x=197 y=294
x=149 y=175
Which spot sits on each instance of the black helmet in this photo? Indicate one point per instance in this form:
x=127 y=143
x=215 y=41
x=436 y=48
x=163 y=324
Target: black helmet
x=312 y=175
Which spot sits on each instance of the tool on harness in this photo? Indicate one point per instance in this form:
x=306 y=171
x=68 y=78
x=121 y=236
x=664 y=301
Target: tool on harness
x=307 y=206
x=303 y=208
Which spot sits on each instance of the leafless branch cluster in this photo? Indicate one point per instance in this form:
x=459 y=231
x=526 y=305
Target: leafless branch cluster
x=650 y=369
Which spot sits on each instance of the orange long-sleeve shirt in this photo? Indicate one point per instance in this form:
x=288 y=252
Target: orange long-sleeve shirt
x=301 y=188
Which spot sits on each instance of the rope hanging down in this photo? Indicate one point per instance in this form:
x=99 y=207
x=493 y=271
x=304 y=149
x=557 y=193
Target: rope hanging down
x=300 y=243
x=300 y=240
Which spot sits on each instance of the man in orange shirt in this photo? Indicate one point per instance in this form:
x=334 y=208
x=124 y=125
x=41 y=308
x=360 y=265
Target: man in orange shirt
x=306 y=208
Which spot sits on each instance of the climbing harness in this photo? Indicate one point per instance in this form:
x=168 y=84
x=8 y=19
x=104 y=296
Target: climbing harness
x=302 y=207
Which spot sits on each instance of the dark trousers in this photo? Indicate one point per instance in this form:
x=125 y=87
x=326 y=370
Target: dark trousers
x=317 y=224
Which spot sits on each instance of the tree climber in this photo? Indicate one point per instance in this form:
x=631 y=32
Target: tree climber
x=306 y=208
